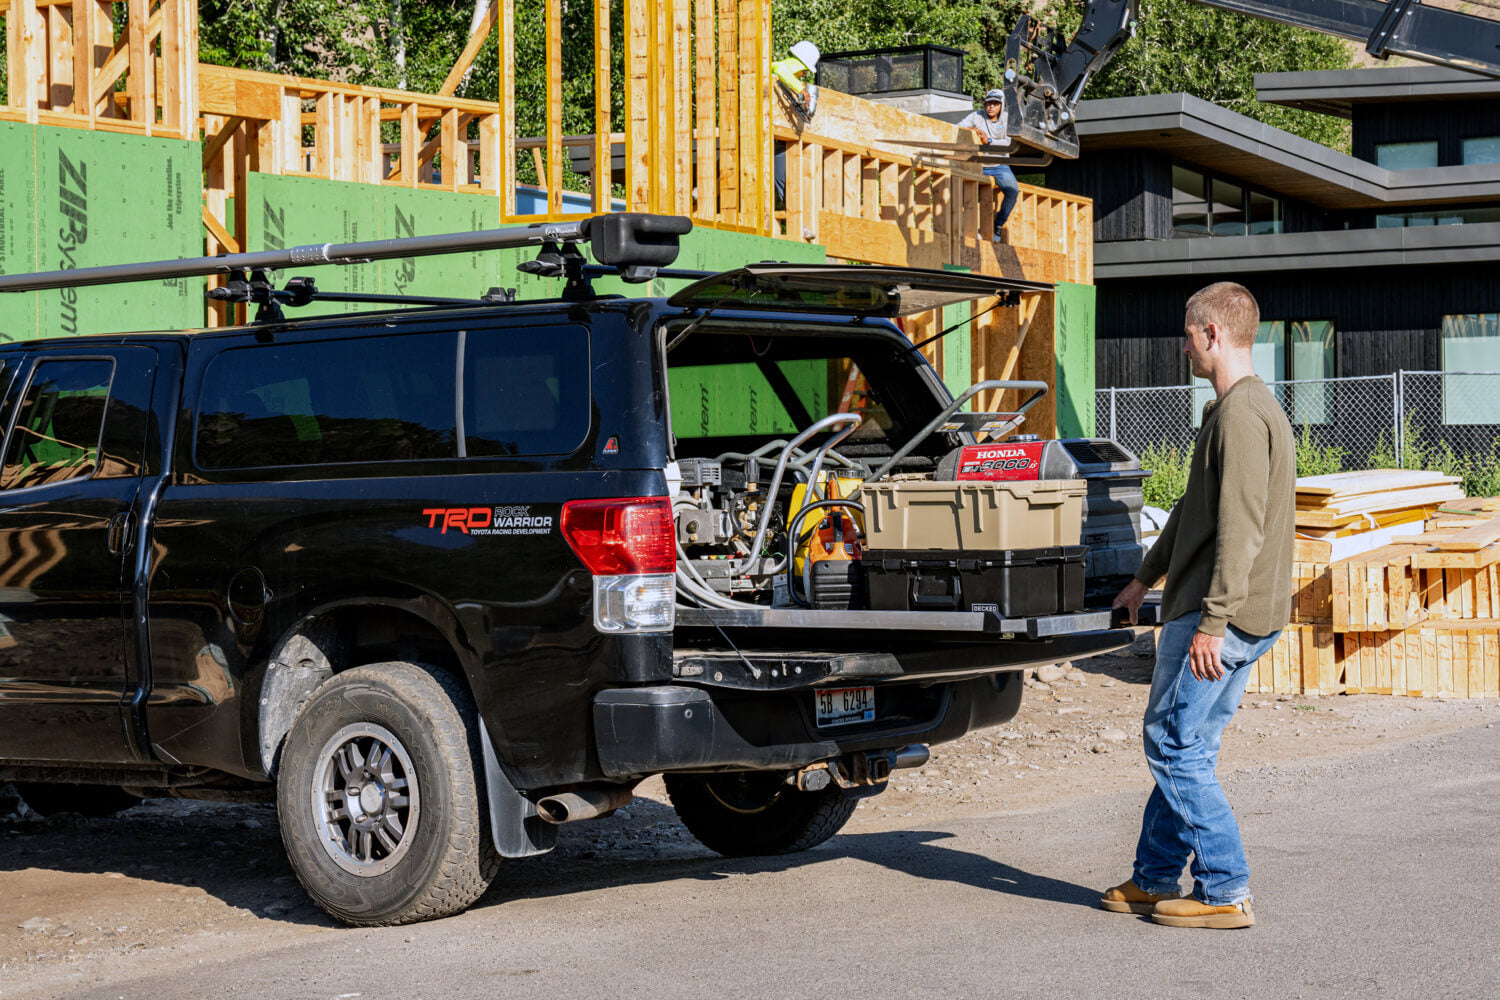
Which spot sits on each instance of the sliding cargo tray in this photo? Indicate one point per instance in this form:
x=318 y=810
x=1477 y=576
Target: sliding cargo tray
x=956 y=624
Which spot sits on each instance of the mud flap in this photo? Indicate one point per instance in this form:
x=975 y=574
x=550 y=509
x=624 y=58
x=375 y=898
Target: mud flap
x=518 y=831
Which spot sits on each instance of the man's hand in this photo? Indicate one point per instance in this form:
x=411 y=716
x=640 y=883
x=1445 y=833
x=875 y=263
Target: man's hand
x=1130 y=598
x=983 y=139
x=1203 y=656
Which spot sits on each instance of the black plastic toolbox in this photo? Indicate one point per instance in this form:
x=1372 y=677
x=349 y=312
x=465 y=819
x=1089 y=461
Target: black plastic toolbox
x=1014 y=583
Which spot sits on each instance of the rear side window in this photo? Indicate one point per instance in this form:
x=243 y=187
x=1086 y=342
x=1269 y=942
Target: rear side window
x=57 y=429
x=526 y=391
x=379 y=399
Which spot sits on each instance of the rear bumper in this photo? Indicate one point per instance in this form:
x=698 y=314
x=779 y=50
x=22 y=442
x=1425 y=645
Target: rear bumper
x=649 y=730
x=751 y=706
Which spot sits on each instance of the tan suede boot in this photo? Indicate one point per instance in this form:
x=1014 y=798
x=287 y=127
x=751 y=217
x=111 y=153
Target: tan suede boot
x=1192 y=913
x=1129 y=898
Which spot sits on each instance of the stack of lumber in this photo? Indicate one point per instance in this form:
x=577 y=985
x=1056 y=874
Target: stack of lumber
x=1385 y=607
x=1349 y=502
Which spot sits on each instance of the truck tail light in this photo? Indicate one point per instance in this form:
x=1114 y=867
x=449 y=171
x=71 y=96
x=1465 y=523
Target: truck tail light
x=630 y=547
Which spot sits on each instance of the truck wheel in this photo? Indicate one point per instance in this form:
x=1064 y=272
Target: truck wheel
x=378 y=796
x=47 y=799
x=756 y=812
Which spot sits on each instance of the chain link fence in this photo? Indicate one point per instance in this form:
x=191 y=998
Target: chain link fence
x=1372 y=421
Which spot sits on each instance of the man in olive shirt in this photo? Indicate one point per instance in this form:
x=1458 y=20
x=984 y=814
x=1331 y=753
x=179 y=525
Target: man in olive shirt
x=1227 y=555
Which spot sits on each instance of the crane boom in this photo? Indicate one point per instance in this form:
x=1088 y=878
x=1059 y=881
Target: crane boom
x=1045 y=72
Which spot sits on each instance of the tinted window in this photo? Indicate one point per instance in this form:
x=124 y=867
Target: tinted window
x=376 y=399
x=1485 y=149
x=526 y=392
x=1189 y=202
x=1228 y=208
x=56 y=435
x=1406 y=155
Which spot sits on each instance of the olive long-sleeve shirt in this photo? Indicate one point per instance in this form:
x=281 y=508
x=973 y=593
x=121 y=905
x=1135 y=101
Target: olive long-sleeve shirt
x=1227 y=548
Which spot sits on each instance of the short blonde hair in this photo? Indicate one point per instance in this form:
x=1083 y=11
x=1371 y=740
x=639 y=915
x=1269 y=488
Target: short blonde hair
x=1231 y=306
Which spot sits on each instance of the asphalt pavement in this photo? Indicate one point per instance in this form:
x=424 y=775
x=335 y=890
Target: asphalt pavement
x=1374 y=875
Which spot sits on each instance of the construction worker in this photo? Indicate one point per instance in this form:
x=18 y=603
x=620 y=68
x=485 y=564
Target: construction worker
x=795 y=74
x=989 y=126
x=1227 y=555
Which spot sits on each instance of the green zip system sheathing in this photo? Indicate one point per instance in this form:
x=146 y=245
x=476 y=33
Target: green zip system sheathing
x=288 y=211
x=71 y=198
x=1074 y=341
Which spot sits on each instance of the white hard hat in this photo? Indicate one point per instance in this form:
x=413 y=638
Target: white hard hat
x=808 y=53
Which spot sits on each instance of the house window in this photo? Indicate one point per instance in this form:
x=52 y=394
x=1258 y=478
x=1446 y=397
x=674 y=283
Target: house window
x=1406 y=155
x=1471 y=343
x=1204 y=205
x=1228 y=208
x=1189 y=203
x=1265 y=214
x=1441 y=217
x=1485 y=149
x=1311 y=356
x=1288 y=350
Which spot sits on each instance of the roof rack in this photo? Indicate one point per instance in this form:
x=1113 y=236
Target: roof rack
x=635 y=245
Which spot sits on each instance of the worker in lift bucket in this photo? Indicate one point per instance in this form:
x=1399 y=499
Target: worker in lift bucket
x=989 y=126
x=795 y=74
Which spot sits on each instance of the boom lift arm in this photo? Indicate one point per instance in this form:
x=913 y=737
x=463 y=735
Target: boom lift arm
x=1045 y=74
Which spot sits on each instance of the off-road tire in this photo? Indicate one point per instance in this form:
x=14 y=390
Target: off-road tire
x=746 y=813
x=450 y=859
x=49 y=799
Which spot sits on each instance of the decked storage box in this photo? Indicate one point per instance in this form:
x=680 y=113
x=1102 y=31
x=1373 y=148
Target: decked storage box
x=971 y=517
x=1014 y=583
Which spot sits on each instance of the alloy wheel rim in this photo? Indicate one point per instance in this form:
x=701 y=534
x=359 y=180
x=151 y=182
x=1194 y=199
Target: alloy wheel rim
x=365 y=799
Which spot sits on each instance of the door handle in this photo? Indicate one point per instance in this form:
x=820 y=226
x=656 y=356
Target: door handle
x=120 y=537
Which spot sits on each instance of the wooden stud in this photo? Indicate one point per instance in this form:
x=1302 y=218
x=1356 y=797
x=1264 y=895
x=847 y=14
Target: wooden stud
x=554 y=179
x=406 y=168
x=752 y=214
x=602 y=163
x=454 y=173
x=681 y=110
x=794 y=185
x=729 y=116
x=637 y=108
x=489 y=154
x=507 y=172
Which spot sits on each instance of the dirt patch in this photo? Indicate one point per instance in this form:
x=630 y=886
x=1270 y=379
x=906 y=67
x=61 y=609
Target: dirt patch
x=172 y=884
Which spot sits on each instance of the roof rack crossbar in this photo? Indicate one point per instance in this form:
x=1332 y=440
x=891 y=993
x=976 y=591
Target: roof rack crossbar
x=623 y=239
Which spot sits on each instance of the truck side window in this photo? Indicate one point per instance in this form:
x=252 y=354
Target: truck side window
x=526 y=392
x=364 y=399
x=57 y=430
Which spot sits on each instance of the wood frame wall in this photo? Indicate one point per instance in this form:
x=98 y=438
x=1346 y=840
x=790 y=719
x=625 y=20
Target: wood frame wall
x=66 y=68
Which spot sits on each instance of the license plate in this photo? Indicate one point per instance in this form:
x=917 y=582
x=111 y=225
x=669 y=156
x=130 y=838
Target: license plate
x=845 y=706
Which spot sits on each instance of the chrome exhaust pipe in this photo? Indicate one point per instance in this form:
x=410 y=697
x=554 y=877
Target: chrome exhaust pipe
x=584 y=803
x=913 y=756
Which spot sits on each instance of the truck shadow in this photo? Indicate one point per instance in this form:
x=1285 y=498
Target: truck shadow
x=915 y=853
x=234 y=854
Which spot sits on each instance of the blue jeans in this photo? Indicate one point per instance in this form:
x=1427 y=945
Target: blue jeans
x=1188 y=813
x=1010 y=191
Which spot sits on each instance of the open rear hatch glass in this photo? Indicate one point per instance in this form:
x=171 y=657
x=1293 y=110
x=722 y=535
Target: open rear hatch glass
x=846 y=288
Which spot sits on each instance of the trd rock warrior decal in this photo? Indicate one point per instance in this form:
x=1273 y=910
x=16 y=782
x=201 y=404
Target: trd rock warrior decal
x=512 y=520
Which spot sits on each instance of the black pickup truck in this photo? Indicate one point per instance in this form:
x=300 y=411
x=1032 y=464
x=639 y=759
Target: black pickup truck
x=438 y=578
